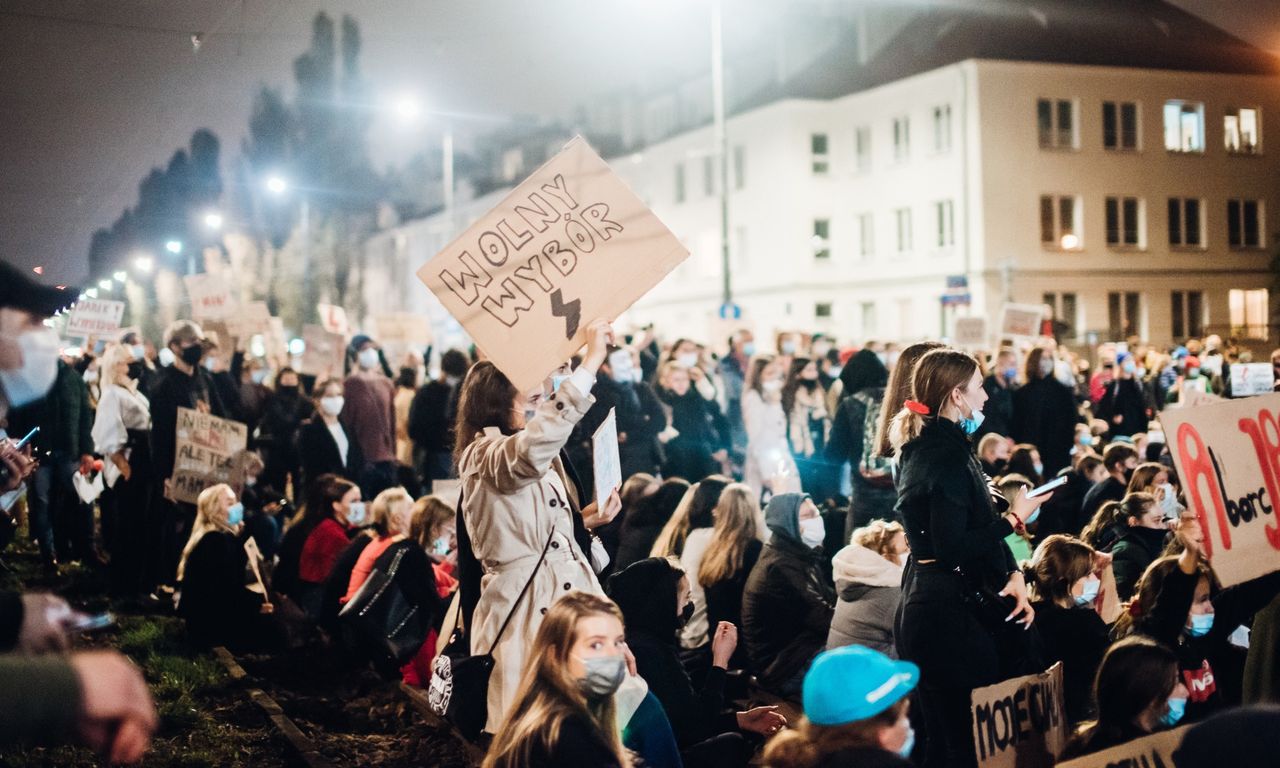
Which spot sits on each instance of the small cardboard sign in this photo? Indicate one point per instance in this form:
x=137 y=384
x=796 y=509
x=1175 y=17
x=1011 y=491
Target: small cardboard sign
x=570 y=244
x=93 y=317
x=212 y=297
x=1249 y=379
x=1228 y=457
x=251 y=319
x=971 y=332
x=403 y=328
x=1148 y=752
x=334 y=319
x=1020 y=723
x=1021 y=321
x=206 y=450
x=606 y=463
x=324 y=354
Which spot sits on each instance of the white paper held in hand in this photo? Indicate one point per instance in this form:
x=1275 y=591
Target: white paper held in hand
x=605 y=460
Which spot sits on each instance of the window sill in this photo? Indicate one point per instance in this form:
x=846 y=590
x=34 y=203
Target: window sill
x=1051 y=248
x=1240 y=153
x=1051 y=148
x=1188 y=248
x=1246 y=249
x=1126 y=248
x=1185 y=153
x=1122 y=150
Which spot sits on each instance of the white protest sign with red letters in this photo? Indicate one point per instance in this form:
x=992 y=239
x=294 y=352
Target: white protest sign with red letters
x=93 y=317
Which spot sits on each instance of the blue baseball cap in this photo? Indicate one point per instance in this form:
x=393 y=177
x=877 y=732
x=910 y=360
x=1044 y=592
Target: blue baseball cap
x=854 y=683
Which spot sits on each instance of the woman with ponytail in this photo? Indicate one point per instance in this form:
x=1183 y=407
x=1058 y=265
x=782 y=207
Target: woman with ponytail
x=964 y=597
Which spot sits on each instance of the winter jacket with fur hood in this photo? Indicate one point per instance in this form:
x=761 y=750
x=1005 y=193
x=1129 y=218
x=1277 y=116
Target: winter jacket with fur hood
x=868 y=588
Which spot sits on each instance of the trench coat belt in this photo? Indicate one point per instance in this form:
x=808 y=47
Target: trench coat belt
x=554 y=554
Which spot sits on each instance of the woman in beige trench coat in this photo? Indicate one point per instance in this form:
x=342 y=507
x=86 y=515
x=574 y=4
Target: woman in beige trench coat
x=516 y=497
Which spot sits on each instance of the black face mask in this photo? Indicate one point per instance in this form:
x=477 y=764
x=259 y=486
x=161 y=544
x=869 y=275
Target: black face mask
x=193 y=354
x=288 y=391
x=686 y=613
x=809 y=384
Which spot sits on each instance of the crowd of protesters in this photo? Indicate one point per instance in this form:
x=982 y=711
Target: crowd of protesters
x=837 y=531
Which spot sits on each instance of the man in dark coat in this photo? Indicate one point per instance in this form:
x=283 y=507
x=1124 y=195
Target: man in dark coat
x=1000 y=385
x=431 y=417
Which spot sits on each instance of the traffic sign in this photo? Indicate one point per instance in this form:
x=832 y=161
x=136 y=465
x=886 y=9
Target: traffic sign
x=730 y=311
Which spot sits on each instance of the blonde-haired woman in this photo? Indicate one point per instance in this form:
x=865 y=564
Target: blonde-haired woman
x=563 y=712
x=961 y=574
x=434 y=526
x=122 y=434
x=868 y=577
x=390 y=517
x=685 y=538
x=734 y=546
x=217 y=604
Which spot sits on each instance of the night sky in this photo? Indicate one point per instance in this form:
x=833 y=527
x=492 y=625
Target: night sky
x=92 y=99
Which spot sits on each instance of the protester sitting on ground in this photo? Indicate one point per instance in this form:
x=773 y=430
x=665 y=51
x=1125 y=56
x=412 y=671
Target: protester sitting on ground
x=1138 y=692
x=634 y=488
x=654 y=597
x=1142 y=538
x=516 y=505
x=433 y=526
x=1019 y=542
x=1247 y=737
x=735 y=546
x=1063 y=586
x=261 y=506
x=685 y=537
x=855 y=714
x=1157 y=479
x=787 y=603
x=389 y=521
x=868 y=575
x=1025 y=460
x=324 y=445
x=315 y=539
x=646 y=520
x=1180 y=604
x=1061 y=514
x=1120 y=461
x=993 y=454
x=217 y=604
x=563 y=712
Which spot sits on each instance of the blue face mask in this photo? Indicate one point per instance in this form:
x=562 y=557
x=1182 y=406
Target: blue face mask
x=556 y=381
x=1173 y=715
x=749 y=348
x=972 y=423
x=355 y=514
x=235 y=514
x=1091 y=587
x=905 y=750
x=1201 y=623
x=1010 y=373
x=1039 y=468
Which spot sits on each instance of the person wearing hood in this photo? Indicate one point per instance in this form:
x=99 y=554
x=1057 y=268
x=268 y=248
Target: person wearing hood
x=787 y=603
x=369 y=415
x=644 y=521
x=1141 y=541
x=853 y=431
x=868 y=575
x=653 y=595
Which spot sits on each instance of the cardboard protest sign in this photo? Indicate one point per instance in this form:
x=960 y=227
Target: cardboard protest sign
x=206 y=449
x=324 y=354
x=402 y=328
x=1196 y=395
x=1251 y=379
x=971 y=332
x=1148 y=752
x=249 y=320
x=605 y=462
x=570 y=244
x=1228 y=457
x=1020 y=320
x=334 y=319
x=211 y=296
x=90 y=317
x=1020 y=723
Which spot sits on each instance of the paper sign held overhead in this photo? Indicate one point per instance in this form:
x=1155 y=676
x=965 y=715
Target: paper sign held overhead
x=571 y=244
x=324 y=354
x=971 y=332
x=1228 y=458
x=1251 y=379
x=249 y=320
x=92 y=317
x=1020 y=723
x=1020 y=321
x=211 y=296
x=606 y=463
x=1148 y=752
x=334 y=319
x=206 y=450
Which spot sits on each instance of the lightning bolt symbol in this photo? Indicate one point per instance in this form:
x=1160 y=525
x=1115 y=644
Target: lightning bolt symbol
x=571 y=312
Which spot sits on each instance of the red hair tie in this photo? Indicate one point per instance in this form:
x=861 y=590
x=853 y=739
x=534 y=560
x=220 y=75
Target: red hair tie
x=1135 y=609
x=917 y=407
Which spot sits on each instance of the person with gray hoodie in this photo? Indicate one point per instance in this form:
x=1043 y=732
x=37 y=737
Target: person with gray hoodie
x=868 y=578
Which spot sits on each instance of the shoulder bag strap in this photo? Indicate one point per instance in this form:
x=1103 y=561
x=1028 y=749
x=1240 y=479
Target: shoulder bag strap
x=523 y=591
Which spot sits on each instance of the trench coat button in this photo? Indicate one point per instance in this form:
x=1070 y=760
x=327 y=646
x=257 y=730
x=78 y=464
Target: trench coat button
x=553 y=502
x=559 y=406
x=555 y=545
x=567 y=586
x=543 y=611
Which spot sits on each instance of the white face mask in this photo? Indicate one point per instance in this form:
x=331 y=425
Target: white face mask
x=771 y=386
x=165 y=356
x=367 y=358
x=91 y=376
x=813 y=531
x=637 y=375
x=332 y=405
x=138 y=351
x=39 y=367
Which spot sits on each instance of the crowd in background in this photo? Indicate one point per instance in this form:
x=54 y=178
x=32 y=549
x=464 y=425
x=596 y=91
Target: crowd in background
x=839 y=527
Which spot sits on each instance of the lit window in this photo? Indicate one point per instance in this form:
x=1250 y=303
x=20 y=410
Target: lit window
x=822 y=238
x=1055 y=119
x=1241 y=128
x=1058 y=218
x=1124 y=222
x=1244 y=223
x=1186 y=227
x=1184 y=126
x=1249 y=310
x=821 y=161
x=1119 y=125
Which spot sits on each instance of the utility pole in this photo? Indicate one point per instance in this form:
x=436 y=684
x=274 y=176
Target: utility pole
x=722 y=142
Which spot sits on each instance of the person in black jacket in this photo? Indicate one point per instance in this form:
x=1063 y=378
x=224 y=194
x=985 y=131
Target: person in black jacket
x=863 y=383
x=1064 y=587
x=653 y=596
x=639 y=414
x=216 y=603
x=645 y=520
x=1062 y=513
x=324 y=444
x=1124 y=403
x=282 y=414
x=788 y=602
x=431 y=417
x=1000 y=385
x=696 y=450
x=1119 y=460
x=962 y=589
x=1044 y=413
x=1141 y=541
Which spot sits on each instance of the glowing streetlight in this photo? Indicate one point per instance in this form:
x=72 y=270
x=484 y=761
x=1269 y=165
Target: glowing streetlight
x=91 y=293
x=120 y=276
x=173 y=246
x=1070 y=241
x=277 y=185
x=213 y=220
x=407 y=108
x=38 y=270
x=105 y=284
x=143 y=263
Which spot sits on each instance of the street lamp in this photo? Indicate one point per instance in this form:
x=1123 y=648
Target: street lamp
x=120 y=276
x=1070 y=241
x=105 y=284
x=277 y=185
x=408 y=110
x=213 y=220
x=173 y=246
x=143 y=263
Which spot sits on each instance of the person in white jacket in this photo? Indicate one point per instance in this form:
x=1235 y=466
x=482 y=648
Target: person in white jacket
x=769 y=461
x=122 y=435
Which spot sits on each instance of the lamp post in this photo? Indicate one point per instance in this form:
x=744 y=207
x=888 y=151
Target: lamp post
x=722 y=143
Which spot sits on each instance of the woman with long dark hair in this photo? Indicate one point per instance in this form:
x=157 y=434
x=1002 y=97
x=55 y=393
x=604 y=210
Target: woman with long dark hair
x=1044 y=413
x=863 y=383
x=963 y=591
x=808 y=427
